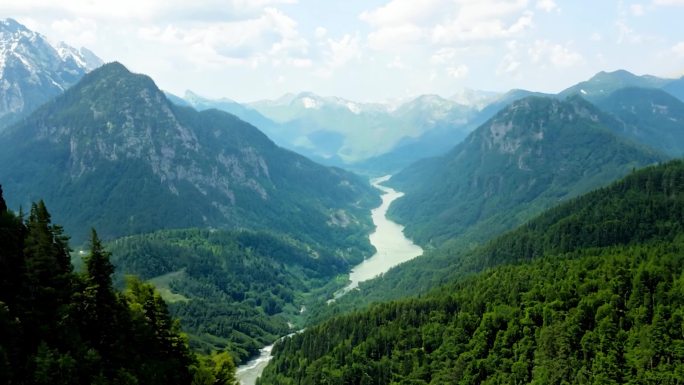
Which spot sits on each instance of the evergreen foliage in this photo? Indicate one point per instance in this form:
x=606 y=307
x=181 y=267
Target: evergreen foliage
x=529 y=157
x=232 y=290
x=649 y=116
x=113 y=153
x=590 y=292
x=61 y=327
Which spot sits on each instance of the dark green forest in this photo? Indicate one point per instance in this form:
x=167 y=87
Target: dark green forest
x=233 y=290
x=529 y=157
x=591 y=292
x=644 y=205
x=59 y=326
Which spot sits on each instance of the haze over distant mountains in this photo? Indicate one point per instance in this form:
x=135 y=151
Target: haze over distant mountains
x=382 y=138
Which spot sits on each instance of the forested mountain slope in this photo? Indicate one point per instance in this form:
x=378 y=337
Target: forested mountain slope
x=649 y=116
x=231 y=290
x=114 y=153
x=591 y=291
x=59 y=326
x=530 y=156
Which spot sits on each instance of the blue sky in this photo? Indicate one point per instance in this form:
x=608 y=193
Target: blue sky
x=367 y=50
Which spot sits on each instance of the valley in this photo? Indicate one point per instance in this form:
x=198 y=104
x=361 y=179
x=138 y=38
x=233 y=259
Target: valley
x=391 y=245
x=391 y=248
x=339 y=206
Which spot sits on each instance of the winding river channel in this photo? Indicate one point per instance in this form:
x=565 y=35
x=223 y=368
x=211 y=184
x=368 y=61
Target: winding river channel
x=392 y=248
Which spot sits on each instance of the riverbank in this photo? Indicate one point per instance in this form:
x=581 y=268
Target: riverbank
x=392 y=248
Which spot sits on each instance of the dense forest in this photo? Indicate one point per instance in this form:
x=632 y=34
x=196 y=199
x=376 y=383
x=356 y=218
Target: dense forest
x=231 y=289
x=589 y=292
x=58 y=326
x=645 y=205
x=532 y=155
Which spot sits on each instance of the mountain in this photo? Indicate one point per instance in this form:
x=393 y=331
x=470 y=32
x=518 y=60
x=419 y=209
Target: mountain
x=113 y=153
x=331 y=127
x=595 y=297
x=442 y=124
x=32 y=70
x=675 y=88
x=275 y=131
x=59 y=326
x=350 y=132
x=604 y=83
x=532 y=155
x=649 y=116
x=474 y=98
x=232 y=290
x=502 y=102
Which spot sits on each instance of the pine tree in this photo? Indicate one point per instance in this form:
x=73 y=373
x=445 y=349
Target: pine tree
x=100 y=308
x=49 y=277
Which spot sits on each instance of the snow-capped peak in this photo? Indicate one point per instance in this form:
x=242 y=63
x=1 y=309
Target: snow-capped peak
x=33 y=69
x=84 y=57
x=310 y=103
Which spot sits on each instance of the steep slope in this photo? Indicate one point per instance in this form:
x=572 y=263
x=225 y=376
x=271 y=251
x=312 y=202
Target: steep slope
x=601 y=301
x=279 y=133
x=232 y=290
x=603 y=84
x=530 y=156
x=649 y=116
x=114 y=153
x=32 y=70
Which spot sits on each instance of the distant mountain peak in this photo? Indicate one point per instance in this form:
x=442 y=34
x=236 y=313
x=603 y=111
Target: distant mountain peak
x=33 y=69
x=208 y=168
x=10 y=25
x=604 y=83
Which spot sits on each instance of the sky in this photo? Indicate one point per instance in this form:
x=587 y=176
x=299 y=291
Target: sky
x=366 y=50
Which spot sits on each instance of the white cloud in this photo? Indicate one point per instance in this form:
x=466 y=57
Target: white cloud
x=637 y=9
x=252 y=42
x=511 y=62
x=445 y=22
x=148 y=10
x=443 y=56
x=79 y=32
x=395 y=38
x=668 y=2
x=546 y=5
x=458 y=71
x=401 y=12
x=596 y=37
x=339 y=53
x=678 y=49
x=320 y=33
x=460 y=30
x=560 y=56
x=626 y=34
x=398 y=64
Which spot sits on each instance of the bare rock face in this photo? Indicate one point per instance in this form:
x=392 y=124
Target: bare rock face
x=137 y=162
x=33 y=70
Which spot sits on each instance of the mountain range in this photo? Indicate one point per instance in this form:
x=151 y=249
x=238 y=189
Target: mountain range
x=532 y=155
x=246 y=239
x=588 y=291
x=33 y=70
x=345 y=133
x=114 y=153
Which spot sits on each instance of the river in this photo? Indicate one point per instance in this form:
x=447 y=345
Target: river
x=392 y=248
